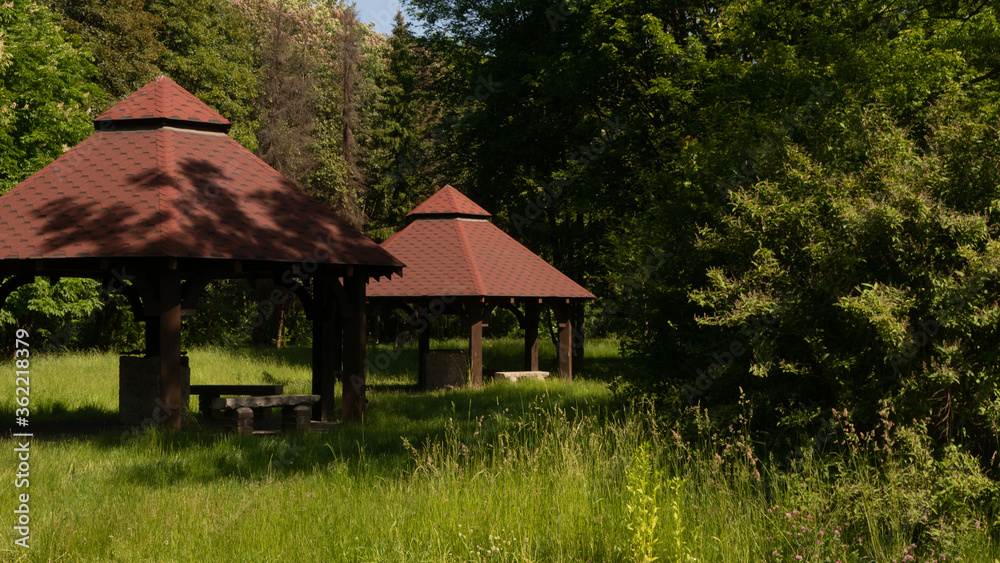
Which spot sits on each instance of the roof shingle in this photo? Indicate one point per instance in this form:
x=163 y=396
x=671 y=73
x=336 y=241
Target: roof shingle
x=169 y=191
x=448 y=202
x=459 y=256
x=162 y=99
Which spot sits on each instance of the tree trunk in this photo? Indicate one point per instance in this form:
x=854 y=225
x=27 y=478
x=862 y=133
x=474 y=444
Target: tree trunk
x=281 y=324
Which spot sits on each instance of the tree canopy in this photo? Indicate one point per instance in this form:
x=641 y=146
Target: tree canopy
x=47 y=93
x=787 y=205
x=784 y=203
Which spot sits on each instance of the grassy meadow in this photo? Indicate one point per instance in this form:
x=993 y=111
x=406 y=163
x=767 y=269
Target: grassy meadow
x=532 y=471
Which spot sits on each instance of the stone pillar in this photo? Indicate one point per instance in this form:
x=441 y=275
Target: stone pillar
x=239 y=421
x=139 y=403
x=446 y=369
x=295 y=418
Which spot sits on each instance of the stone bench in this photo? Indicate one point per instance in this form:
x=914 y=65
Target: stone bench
x=295 y=411
x=513 y=376
x=206 y=393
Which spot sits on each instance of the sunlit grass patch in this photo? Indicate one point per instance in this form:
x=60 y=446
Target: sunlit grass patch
x=547 y=470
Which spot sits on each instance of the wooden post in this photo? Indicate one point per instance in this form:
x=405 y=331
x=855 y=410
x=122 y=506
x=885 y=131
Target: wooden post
x=565 y=349
x=326 y=348
x=354 y=347
x=152 y=334
x=423 y=346
x=532 y=308
x=168 y=329
x=474 y=311
x=579 y=317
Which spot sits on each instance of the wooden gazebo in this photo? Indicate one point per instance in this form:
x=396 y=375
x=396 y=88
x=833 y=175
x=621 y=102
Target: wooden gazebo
x=458 y=262
x=161 y=196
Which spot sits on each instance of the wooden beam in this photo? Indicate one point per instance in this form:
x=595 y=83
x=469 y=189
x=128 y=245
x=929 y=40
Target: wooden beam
x=117 y=284
x=192 y=289
x=168 y=322
x=326 y=348
x=532 y=310
x=579 y=319
x=474 y=314
x=423 y=346
x=354 y=347
x=493 y=305
x=148 y=289
x=565 y=348
x=12 y=285
x=300 y=291
x=145 y=288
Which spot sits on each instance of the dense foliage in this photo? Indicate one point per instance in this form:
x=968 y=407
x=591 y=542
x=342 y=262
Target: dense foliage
x=851 y=261
x=275 y=69
x=46 y=90
x=793 y=204
x=788 y=209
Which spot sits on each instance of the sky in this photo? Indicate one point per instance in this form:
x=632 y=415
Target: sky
x=382 y=12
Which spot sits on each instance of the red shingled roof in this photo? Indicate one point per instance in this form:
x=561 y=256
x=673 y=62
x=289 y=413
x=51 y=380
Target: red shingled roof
x=448 y=254
x=162 y=99
x=168 y=191
x=448 y=202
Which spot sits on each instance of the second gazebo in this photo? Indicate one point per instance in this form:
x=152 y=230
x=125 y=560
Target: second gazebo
x=457 y=262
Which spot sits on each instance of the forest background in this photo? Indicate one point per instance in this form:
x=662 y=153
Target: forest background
x=788 y=210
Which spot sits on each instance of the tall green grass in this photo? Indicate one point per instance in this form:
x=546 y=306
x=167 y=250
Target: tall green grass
x=83 y=386
x=560 y=479
x=533 y=471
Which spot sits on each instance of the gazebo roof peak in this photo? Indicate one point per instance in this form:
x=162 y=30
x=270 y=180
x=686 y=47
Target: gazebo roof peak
x=466 y=258
x=448 y=203
x=162 y=102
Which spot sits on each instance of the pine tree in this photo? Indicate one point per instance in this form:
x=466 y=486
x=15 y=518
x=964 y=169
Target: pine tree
x=400 y=160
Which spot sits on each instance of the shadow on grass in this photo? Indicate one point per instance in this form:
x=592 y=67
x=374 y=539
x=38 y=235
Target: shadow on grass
x=386 y=363
x=372 y=449
x=606 y=369
x=58 y=418
x=375 y=448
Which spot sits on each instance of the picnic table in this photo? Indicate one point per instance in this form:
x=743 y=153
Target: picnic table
x=206 y=393
x=253 y=401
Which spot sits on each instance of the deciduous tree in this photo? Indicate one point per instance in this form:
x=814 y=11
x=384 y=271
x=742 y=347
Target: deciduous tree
x=47 y=92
